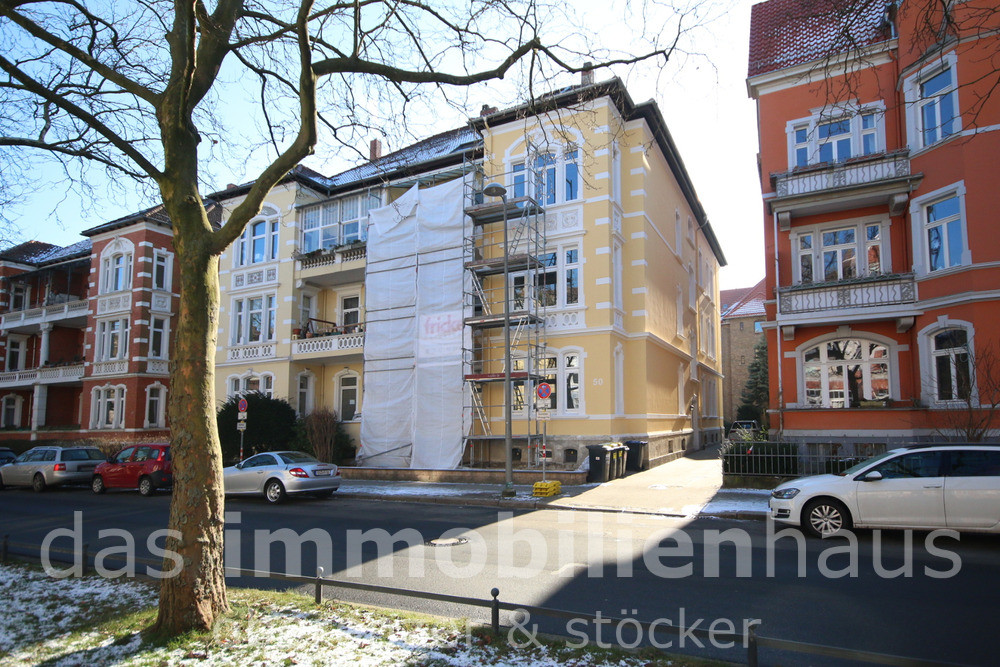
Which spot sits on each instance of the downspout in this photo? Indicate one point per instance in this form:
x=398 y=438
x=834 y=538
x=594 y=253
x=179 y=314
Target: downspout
x=777 y=328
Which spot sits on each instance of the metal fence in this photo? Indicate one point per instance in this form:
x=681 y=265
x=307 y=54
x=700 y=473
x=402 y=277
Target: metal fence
x=752 y=640
x=794 y=459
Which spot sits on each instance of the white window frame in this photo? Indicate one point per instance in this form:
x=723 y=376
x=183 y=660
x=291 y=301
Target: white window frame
x=562 y=269
x=915 y=103
x=324 y=225
x=269 y=220
x=339 y=394
x=928 y=362
x=241 y=318
x=105 y=332
x=852 y=113
x=559 y=378
x=528 y=176
x=861 y=247
x=825 y=392
x=21 y=343
x=164 y=332
x=16 y=403
x=161 y=408
x=162 y=259
x=23 y=292
x=100 y=399
x=355 y=311
x=239 y=385
x=305 y=395
x=116 y=272
x=918 y=215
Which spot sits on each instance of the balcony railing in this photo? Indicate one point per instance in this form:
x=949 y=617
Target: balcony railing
x=859 y=172
x=331 y=343
x=116 y=367
x=252 y=351
x=873 y=292
x=41 y=376
x=50 y=313
x=351 y=252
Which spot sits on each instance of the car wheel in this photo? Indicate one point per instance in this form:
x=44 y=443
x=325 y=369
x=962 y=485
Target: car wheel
x=146 y=487
x=38 y=483
x=824 y=517
x=97 y=484
x=274 y=491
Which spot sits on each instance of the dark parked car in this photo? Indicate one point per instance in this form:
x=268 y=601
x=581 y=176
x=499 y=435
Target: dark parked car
x=143 y=467
x=42 y=467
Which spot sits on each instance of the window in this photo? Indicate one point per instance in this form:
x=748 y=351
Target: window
x=259 y=241
x=918 y=464
x=254 y=319
x=836 y=251
x=15 y=353
x=158 y=338
x=616 y=275
x=974 y=463
x=943 y=228
x=837 y=136
x=117 y=274
x=305 y=309
x=156 y=399
x=161 y=271
x=247 y=384
x=936 y=114
x=616 y=173
x=18 y=296
x=305 y=396
x=562 y=372
x=112 y=340
x=350 y=313
x=554 y=177
x=557 y=284
x=842 y=373
x=10 y=411
x=337 y=222
x=952 y=372
x=347 y=399
x=758 y=327
x=108 y=409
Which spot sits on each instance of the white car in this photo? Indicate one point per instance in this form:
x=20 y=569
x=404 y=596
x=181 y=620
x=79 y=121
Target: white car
x=919 y=487
x=277 y=474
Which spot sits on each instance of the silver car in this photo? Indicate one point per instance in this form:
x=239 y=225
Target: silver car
x=42 y=467
x=278 y=474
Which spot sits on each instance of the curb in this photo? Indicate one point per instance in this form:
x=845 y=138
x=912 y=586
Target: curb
x=540 y=504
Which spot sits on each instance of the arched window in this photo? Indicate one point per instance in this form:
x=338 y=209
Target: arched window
x=116 y=266
x=844 y=372
x=156 y=406
x=952 y=372
x=259 y=242
x=248 y=383
x=108 y=407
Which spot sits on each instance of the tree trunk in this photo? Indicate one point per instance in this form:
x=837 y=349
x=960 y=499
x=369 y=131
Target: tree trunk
x=196 y=596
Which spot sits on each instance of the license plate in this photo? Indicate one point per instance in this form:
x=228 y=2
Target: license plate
x=325 y=472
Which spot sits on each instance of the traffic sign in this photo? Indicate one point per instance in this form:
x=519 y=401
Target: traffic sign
x=543 y=390
x=241 y=426
x=543 y=415
x=242 y=416
x=242 y=405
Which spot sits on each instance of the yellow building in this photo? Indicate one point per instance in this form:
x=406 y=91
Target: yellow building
x=612 y=288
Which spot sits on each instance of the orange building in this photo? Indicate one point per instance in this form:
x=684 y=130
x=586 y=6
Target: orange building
x=879 y=130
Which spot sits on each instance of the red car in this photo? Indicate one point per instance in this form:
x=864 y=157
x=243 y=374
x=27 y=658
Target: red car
x=143 y=467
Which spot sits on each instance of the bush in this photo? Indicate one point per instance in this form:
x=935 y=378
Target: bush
x=270 y=426
x=323 y=434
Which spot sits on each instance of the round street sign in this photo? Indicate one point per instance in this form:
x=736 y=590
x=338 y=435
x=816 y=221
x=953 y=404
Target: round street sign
x=242 y=405
x=544 y=390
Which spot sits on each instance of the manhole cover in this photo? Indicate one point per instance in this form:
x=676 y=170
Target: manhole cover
x=447 y=541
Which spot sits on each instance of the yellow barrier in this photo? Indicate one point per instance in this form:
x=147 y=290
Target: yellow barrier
x=546 y=489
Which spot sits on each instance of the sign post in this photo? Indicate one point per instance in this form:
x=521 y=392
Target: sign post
x=241 y=422
x=544 y=391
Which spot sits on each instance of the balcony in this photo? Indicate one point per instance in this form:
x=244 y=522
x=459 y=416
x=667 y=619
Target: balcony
x=250 y=352
x=47 y=375
x=334 y=266
x=69 y=311
x=343 y=342
x=871 y=298
x=867 y=181
x=116 y=367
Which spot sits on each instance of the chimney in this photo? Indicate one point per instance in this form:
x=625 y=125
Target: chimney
x=487 y=110
x=587 y=75
x=230 y=186
x=375 y=150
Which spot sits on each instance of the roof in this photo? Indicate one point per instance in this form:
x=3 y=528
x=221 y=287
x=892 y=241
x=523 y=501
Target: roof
x=299 y=173
x=750 y=305
x=451 y=144
x=729 y=297
x=28 y=252
x=155 y=214
x=784 y=33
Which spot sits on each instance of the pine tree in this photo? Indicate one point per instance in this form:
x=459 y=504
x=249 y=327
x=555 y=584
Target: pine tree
x=754 y=397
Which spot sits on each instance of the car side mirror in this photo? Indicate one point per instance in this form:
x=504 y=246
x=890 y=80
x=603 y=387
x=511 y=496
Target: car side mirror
x=873 y=476
x=239 y=466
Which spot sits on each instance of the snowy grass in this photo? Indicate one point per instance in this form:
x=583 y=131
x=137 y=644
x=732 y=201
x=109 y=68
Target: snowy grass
x=94 y=621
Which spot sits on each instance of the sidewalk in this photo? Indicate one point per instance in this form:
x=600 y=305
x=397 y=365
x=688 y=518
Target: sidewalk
x=687 y=487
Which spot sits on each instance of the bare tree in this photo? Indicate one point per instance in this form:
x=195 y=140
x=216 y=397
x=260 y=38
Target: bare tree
x=147 y=91
x=970 y=395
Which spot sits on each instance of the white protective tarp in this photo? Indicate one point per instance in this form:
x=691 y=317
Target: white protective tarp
x=414 y=411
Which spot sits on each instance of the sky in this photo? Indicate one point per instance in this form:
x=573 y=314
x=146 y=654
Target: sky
x=701 y=93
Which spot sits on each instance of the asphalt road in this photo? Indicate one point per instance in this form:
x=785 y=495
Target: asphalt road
x=936 y=602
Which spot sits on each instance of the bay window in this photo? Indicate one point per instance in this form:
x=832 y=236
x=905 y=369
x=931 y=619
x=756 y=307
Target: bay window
x=339 y=221
x=837 y=136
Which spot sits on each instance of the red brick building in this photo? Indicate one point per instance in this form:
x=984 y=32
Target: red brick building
x=878 y=139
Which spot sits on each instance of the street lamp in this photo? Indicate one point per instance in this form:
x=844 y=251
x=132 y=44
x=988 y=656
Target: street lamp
x=497 y=190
